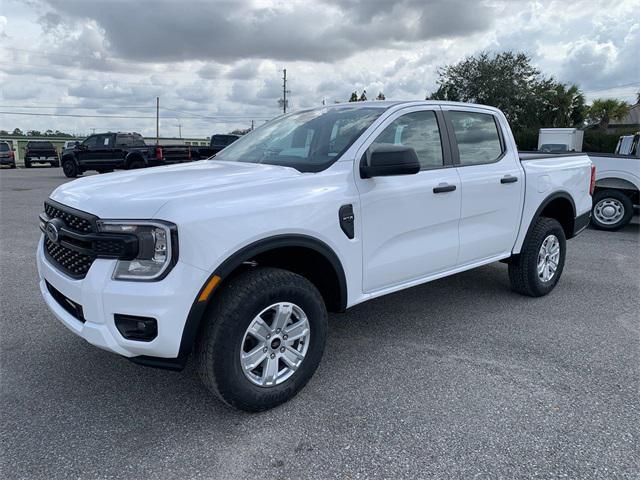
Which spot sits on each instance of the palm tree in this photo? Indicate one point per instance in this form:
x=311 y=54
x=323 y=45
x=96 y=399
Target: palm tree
x=602 y=110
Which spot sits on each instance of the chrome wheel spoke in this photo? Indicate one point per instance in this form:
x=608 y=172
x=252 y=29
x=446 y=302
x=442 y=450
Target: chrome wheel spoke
x=259 y=329
x=270 y=372
x=254 y=358
x=297 y=330
x=292 y=358
x=282 y=316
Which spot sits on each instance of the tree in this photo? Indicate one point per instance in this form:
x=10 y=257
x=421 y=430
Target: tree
x=505 y=80
x=354 y=97
x=17 y=131
x=381 y=96
x=562 y=106
x=363 y=97
x=603 y=110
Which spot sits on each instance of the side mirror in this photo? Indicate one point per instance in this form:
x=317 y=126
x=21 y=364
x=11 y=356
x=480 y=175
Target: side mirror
x=387 y=160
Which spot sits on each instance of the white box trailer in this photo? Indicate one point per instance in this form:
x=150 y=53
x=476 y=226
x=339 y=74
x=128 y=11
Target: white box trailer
x=560 y=140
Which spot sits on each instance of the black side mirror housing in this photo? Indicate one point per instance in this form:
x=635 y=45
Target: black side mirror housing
x=387 y=160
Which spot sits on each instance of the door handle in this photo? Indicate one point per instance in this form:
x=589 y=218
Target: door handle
x=444 y=188
x=508 y=179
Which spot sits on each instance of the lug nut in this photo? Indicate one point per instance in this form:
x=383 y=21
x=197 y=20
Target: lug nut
x=268 y=336
x=285 y=336
x=273 y=355
x=264 y=349
x=277 y=330
x=282 y=349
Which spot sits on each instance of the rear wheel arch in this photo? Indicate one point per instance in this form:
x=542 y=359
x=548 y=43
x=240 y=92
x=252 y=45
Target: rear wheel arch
x=133 y=158
x=559 y=206
x=301 y=254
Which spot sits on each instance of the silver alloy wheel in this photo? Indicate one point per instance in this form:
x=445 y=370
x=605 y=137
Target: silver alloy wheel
x=548 y=258
x=275 y=344
x=609 y=211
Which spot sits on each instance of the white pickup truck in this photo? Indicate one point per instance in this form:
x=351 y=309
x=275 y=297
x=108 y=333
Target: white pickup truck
x=617 y=184
x=240 y=257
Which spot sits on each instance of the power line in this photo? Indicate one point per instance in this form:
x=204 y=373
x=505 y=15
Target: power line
x=35 y=114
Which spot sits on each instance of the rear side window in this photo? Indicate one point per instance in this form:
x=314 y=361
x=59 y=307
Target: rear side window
x=477 y=136
x=124 y=140
x=418 y=130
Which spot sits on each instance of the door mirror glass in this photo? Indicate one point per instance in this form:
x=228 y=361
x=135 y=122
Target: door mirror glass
x=385 y=160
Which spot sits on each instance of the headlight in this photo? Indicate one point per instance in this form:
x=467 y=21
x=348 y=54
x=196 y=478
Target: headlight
x=157 y=248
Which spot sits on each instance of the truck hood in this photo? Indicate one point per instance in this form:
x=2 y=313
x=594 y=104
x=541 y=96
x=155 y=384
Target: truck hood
x=139 y=194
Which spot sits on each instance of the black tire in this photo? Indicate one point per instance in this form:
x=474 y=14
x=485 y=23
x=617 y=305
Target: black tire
x=27 y=163
x=219 y=344
x=523 y=269
x=70 y=169
x=13 y=165
x=617 y=200
x=135 y=164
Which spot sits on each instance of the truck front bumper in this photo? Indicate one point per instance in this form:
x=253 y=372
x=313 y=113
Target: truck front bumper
x=100 y=298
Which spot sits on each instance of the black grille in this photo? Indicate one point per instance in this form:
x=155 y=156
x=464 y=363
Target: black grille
x=71 y=262
x=74 y=222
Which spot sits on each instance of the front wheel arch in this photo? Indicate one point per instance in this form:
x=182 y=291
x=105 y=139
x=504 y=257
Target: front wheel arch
x=237 y=263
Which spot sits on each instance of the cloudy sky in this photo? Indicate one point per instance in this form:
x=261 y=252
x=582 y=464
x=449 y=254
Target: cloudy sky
x=216 y=65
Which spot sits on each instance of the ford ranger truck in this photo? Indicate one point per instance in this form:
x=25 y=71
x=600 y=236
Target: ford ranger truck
x=238 y=259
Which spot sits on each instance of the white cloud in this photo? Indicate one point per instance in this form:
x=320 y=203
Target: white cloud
x=228 y=60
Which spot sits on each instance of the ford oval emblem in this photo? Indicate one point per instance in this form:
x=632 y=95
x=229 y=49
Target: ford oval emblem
x=51 y=229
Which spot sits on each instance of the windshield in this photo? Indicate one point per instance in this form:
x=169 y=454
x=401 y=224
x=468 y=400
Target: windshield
x=308 y=141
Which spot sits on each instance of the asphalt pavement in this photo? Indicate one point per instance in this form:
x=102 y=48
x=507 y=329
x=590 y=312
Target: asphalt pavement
x=458 y=378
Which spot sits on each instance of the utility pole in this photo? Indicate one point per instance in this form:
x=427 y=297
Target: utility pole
x=179 y=128
x=284 y=90
x=251 y=124
x=157 y=120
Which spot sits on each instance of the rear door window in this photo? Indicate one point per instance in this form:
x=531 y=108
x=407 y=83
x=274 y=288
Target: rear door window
x=477 y=137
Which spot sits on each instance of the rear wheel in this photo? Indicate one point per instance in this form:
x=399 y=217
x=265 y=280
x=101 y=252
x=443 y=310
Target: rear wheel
x=27 y=163
x=135 y=164
x=536 y=271
x=69 y=168
x=263 y=339
x=611 y=210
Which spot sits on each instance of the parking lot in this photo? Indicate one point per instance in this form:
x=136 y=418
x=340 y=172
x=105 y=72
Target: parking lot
x=456 y=378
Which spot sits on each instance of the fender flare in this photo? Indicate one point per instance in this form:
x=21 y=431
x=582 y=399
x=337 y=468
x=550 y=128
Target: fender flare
x=554 y=196
x=235 y=260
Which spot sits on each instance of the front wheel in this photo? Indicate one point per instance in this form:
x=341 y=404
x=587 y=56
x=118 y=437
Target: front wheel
x=612 y=210
x=536 y=271
x=70 y=169
x=263 y=339
x=27 y=163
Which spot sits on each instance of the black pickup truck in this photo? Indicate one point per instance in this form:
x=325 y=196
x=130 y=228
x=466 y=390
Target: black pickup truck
x=105 y=152
x=218 y=142
x=40 y=152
